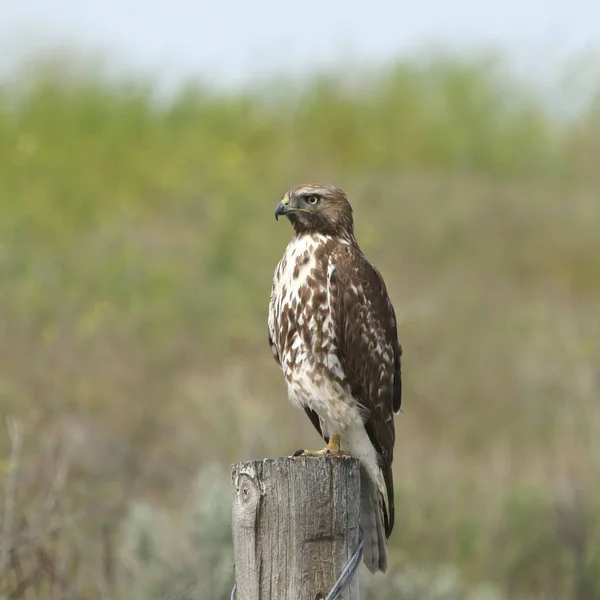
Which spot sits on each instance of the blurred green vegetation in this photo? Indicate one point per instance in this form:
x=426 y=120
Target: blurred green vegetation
x=137 y=245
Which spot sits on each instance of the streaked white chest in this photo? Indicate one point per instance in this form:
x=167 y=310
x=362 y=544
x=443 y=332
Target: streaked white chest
x=302 y=327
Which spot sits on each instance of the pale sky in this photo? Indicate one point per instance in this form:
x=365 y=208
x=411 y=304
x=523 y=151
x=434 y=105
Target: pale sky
x=236 y=40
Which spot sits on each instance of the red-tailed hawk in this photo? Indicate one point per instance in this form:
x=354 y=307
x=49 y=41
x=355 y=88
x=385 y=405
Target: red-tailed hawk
x=332 y=330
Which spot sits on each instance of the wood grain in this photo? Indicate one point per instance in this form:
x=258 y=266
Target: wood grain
x=295 y=526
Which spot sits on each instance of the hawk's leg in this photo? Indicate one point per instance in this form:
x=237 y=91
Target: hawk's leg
x=332 y=449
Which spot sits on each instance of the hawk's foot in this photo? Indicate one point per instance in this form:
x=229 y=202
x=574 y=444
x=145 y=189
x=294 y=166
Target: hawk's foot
x=318 y=453
x=332 y=449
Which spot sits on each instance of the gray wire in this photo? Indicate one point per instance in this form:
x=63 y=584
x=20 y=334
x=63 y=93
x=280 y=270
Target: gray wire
x=344 y=579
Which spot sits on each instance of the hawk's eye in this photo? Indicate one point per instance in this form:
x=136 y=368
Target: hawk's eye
x=313 y=200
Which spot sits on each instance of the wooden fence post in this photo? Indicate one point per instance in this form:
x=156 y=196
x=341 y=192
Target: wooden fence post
x=295 y=527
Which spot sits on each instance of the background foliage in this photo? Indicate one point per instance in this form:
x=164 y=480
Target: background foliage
x=137 y=245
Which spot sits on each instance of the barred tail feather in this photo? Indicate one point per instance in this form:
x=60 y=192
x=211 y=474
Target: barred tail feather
x=372 y=521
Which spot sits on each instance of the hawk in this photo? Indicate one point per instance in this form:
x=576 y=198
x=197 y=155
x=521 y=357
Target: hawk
x=332 y=330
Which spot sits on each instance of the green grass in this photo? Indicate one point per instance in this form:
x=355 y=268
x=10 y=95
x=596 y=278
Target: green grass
x=137 y=245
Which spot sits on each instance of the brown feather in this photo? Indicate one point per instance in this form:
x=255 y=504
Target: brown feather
x=375 y=380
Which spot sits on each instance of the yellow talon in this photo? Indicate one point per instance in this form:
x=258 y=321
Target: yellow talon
x=332 y=449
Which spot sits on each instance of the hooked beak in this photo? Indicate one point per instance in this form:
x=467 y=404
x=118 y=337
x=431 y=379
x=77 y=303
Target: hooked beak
x=283 y=208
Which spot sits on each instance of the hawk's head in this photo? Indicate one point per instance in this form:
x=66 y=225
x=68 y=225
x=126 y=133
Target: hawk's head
x=317 y=208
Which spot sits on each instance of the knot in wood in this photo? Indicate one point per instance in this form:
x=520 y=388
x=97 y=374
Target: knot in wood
x=247 y=498
x=247 y=489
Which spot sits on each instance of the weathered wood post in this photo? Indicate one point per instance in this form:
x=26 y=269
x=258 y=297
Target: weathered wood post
x=295 y=527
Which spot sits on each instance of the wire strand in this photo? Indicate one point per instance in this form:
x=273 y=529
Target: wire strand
x=349 y=570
